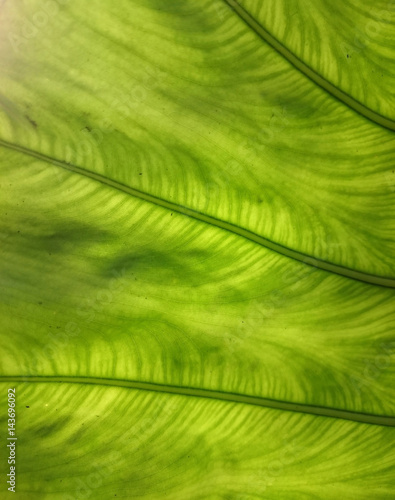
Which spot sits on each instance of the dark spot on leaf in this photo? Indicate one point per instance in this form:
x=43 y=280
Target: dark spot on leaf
x=31 y=121
x=27 y=406
x=51 y=429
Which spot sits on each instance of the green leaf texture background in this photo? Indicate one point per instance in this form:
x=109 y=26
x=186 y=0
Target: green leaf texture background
x=198 y=249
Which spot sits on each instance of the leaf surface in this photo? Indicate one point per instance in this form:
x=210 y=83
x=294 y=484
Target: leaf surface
x=156 y=92
x=338 y=40
x=197 y=261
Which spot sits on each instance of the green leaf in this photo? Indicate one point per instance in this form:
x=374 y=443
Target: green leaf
x=350 y=39
x=198 y=252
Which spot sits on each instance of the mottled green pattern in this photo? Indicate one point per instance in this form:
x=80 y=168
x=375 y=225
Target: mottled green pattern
x=134 y=444
x=186 y=91
x=346 y=42
x=143 y=144
x=161 y=297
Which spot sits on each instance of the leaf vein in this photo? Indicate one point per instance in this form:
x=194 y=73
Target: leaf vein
x=208 y=219
x=309 y=72
x=321 y=411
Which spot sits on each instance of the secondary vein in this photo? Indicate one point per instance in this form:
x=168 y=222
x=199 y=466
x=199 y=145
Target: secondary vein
x=309 y=72
x=208 y=219
x=321 y=411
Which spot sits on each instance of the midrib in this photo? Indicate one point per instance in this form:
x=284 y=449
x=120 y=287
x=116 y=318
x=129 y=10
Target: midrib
x=260 y=240
x=209 y=394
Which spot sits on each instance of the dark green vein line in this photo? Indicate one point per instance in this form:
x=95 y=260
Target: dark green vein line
x=306 y=70
x=245 y=233
x=322 y=411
